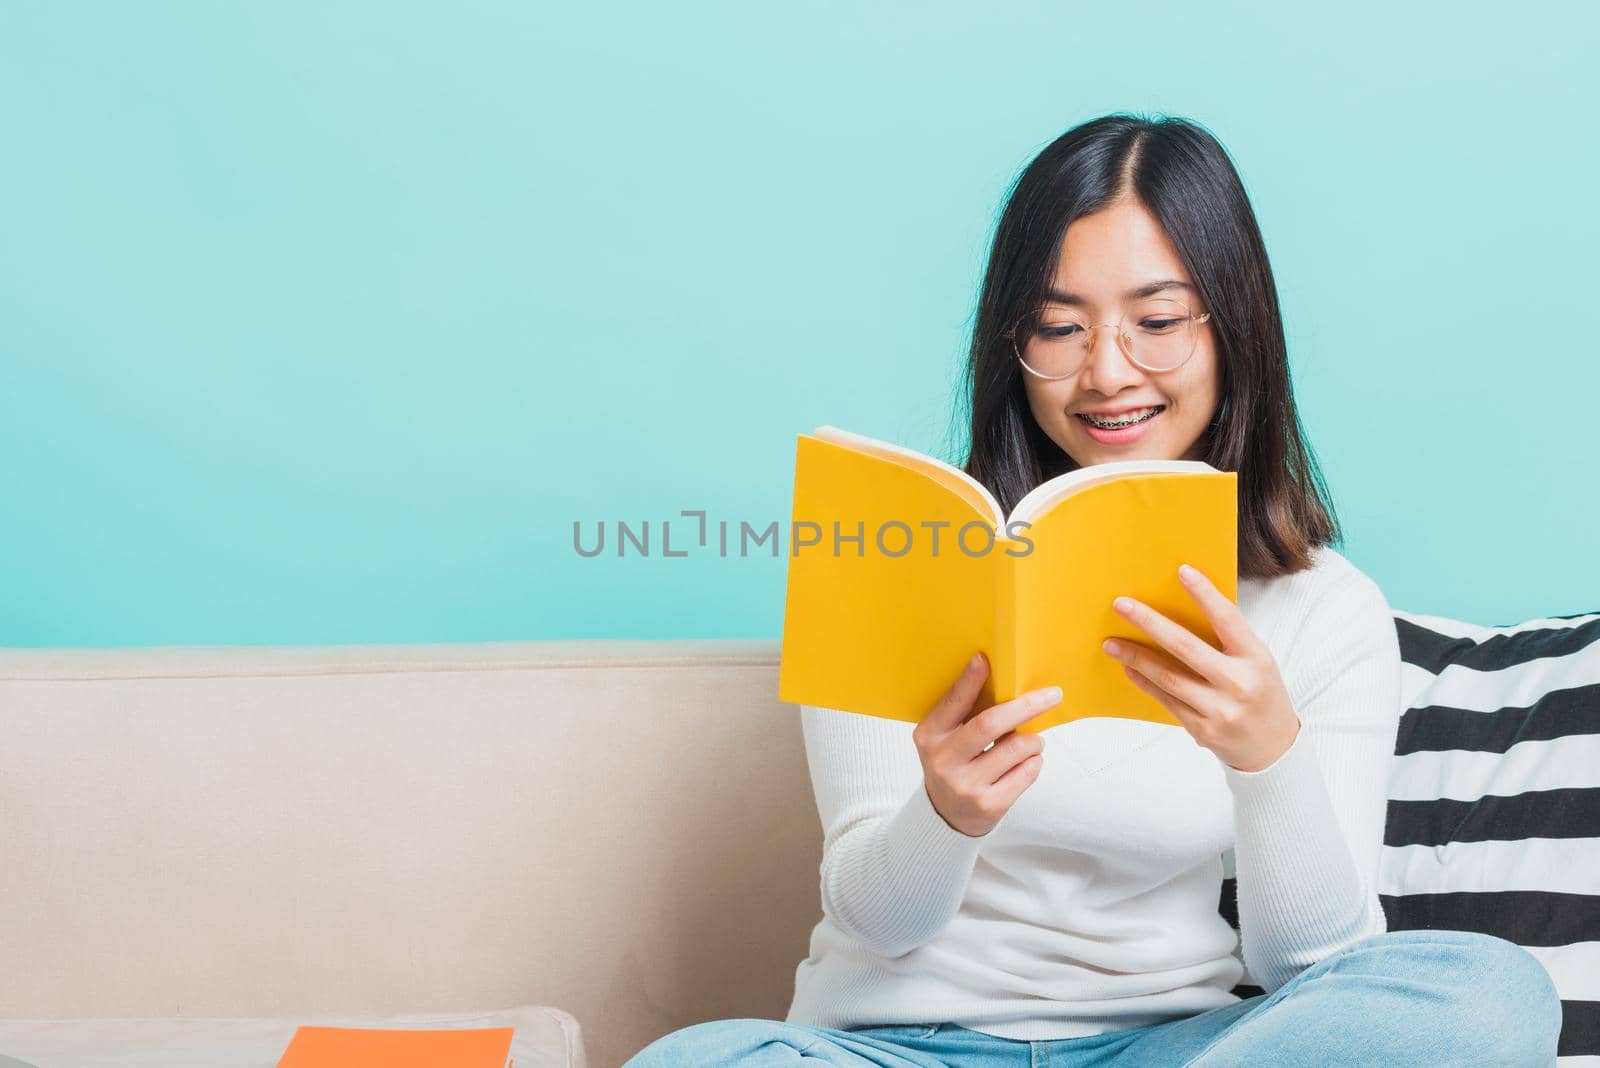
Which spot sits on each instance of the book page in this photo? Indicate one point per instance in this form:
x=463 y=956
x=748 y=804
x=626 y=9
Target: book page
x=1043 y=497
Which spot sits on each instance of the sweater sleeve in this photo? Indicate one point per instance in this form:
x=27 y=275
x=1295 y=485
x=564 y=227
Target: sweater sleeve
x=893 y=871
x=1308 y=828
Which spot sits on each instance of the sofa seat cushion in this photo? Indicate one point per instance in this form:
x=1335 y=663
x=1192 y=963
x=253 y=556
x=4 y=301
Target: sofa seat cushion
x=544 y=1037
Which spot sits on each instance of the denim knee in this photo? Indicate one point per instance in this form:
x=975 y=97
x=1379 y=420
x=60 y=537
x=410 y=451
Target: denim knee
x=1509 y=1005
x=718 y=1042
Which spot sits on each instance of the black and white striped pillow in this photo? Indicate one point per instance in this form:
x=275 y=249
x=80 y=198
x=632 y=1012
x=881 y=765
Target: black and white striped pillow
x=1494 y=801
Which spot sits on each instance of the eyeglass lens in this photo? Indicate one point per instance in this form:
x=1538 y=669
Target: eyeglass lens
x=1158 y=333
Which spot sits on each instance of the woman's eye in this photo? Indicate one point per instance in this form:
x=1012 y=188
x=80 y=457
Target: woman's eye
x=1158 y=326
x=1056 y=333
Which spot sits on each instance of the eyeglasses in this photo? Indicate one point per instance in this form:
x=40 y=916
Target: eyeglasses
x=1157 y=334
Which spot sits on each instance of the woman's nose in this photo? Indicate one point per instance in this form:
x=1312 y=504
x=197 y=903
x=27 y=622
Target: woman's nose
x=1106 y=368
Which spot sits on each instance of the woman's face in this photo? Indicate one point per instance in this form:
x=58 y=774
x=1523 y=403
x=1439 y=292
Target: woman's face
x=1104 y=256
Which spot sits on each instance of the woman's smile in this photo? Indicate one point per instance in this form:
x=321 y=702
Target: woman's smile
x=1124 y=434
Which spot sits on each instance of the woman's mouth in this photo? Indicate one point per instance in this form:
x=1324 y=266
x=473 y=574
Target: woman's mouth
x=1128 y=431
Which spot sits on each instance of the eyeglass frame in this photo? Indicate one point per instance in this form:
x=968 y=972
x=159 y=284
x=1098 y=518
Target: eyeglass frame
x=1010 y=334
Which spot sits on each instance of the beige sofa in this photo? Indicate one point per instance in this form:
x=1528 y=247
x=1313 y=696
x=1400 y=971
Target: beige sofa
x=595 y=841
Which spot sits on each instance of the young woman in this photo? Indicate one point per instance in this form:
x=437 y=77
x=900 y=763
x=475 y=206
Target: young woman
x=995 y=898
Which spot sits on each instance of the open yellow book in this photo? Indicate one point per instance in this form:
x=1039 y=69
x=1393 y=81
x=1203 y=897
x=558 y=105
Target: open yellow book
x=901 y=566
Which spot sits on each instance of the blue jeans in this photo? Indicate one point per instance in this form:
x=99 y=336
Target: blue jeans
x=1398 y=999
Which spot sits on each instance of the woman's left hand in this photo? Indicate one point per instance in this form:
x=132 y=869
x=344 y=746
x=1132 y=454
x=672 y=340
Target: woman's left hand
x=1232 y=701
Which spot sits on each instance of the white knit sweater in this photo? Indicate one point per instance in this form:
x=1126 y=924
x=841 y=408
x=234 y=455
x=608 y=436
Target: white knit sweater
x=1092 y=905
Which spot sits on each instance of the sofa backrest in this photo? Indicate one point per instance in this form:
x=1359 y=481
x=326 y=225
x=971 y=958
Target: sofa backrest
x=624 y=830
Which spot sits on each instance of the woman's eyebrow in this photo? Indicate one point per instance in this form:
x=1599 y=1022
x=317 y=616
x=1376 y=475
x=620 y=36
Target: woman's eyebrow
x=1132 y=294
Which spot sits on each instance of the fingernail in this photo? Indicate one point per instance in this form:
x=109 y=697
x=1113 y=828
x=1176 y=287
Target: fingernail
x=1047 y=697
x=976 y=661
x=1187 y=573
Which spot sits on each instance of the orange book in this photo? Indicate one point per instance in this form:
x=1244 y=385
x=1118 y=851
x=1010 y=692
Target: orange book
x=901 y=566
x=363 y=1047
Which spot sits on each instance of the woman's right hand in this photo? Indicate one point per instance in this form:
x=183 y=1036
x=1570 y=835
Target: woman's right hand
x=972 y=786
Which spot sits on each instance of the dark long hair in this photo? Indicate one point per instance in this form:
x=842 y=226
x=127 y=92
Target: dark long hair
x=1183 y=176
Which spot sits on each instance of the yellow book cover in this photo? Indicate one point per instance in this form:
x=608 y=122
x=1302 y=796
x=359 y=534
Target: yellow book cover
x=901 y=566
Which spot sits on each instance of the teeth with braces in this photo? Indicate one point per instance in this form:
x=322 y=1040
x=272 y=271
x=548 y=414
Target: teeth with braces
x=1127 y=421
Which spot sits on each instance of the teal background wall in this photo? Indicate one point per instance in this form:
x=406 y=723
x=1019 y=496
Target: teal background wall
x=322 y=323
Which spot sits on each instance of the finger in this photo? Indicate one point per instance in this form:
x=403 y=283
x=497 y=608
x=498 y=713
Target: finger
x=990 y=724
x=956 y=704
x=1189 y=648
x=1008 y=787
x=1009 y=750
x=1166 y=673
x=1233 y=630
x=1184 y=712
